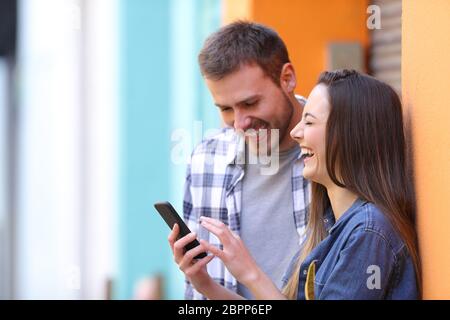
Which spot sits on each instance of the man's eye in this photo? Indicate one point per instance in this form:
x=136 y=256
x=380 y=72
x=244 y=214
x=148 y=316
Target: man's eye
x=249 y=104
x=225 y=109
x=308 y=123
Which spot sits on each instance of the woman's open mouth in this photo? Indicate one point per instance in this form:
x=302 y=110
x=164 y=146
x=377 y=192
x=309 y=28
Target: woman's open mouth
x=306 y=155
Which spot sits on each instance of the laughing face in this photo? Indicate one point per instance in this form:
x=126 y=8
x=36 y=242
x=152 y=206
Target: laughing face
x=310 y=134
x=251 y=102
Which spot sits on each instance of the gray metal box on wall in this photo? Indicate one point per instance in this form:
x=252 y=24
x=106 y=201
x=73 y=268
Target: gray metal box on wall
x=345 y=55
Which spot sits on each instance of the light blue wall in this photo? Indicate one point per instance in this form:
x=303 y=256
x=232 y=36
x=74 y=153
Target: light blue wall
x=161 y=91
x=144 y=119
x=191 y=106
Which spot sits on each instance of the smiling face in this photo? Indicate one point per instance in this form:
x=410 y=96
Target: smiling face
x=248 y=99
x=310 y=134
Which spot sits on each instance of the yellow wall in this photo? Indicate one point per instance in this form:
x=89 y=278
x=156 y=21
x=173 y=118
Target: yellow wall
x=426 y=93
x=306 y=26
x=236 y=9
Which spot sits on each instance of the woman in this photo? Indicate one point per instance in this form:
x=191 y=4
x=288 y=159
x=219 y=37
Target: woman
x=361 y=241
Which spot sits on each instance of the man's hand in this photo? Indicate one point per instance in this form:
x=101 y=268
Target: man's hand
x=195 y=270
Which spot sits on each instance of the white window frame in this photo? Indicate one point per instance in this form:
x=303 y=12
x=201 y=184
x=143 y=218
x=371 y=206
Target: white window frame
x=67 y=164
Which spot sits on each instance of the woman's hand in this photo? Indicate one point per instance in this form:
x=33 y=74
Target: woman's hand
x=239 y=261
x=195 y=270
x=234 y=255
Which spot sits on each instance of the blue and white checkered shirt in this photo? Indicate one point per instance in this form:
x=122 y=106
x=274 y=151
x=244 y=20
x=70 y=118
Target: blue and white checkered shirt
x=213 y=189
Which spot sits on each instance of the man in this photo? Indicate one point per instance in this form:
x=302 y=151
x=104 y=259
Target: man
x=248 y=72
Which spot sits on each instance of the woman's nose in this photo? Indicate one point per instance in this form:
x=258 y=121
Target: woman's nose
x=297 y=132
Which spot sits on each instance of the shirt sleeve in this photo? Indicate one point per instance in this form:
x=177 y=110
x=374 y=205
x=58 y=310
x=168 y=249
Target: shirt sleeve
x=187 y=198
x=187 y=214
x=188 y=291
x=364 y=270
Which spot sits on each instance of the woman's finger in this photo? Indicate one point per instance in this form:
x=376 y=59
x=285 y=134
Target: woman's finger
x=213 y=249
x=219 y=224
x=222 y=232
x=213 y=221
x=236 y=236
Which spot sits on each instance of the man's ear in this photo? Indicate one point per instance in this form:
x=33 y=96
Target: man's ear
x=288 y=80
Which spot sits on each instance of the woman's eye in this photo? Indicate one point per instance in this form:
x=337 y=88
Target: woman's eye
x=308 y=123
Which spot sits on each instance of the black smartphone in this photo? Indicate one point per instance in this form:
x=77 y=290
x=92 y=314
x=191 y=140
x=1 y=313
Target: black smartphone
x=170 y=216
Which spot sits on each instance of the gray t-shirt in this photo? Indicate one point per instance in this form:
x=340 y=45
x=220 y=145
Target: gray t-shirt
x=267 y=218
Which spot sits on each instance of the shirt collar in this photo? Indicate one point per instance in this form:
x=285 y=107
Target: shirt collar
x=328 y=219
x=346 y=215
x=236 y=149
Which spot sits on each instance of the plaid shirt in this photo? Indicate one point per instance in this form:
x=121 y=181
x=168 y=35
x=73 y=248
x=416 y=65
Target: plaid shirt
x=213 y=189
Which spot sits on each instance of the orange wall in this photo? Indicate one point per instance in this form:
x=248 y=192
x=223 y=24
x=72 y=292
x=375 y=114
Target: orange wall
x=306 y=26
x=426 y=93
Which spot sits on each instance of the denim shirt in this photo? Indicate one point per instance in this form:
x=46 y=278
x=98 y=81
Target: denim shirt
x=363 y=257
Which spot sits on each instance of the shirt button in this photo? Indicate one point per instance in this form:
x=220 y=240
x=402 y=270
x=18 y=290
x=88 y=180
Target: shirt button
x=305 y=272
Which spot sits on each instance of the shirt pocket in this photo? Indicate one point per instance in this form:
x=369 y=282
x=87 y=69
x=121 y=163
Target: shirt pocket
x=320 y=280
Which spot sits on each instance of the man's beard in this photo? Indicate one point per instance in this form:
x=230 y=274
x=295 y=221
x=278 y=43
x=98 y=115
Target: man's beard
x=267 y=140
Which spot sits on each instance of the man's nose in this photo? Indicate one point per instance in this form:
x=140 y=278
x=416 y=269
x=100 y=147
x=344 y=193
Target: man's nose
x=241 y=121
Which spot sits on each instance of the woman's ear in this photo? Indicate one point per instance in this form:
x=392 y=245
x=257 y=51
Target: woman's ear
x=288 y=80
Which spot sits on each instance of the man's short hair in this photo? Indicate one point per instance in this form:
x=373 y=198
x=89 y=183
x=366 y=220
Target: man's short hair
x=241 y=43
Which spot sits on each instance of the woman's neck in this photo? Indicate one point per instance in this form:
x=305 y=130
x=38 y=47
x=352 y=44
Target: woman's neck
x=341 y=199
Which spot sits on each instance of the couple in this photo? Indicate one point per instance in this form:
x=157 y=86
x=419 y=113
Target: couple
x=336 y=221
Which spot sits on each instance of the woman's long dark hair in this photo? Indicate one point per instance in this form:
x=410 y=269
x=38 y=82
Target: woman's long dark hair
x=366 y=154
